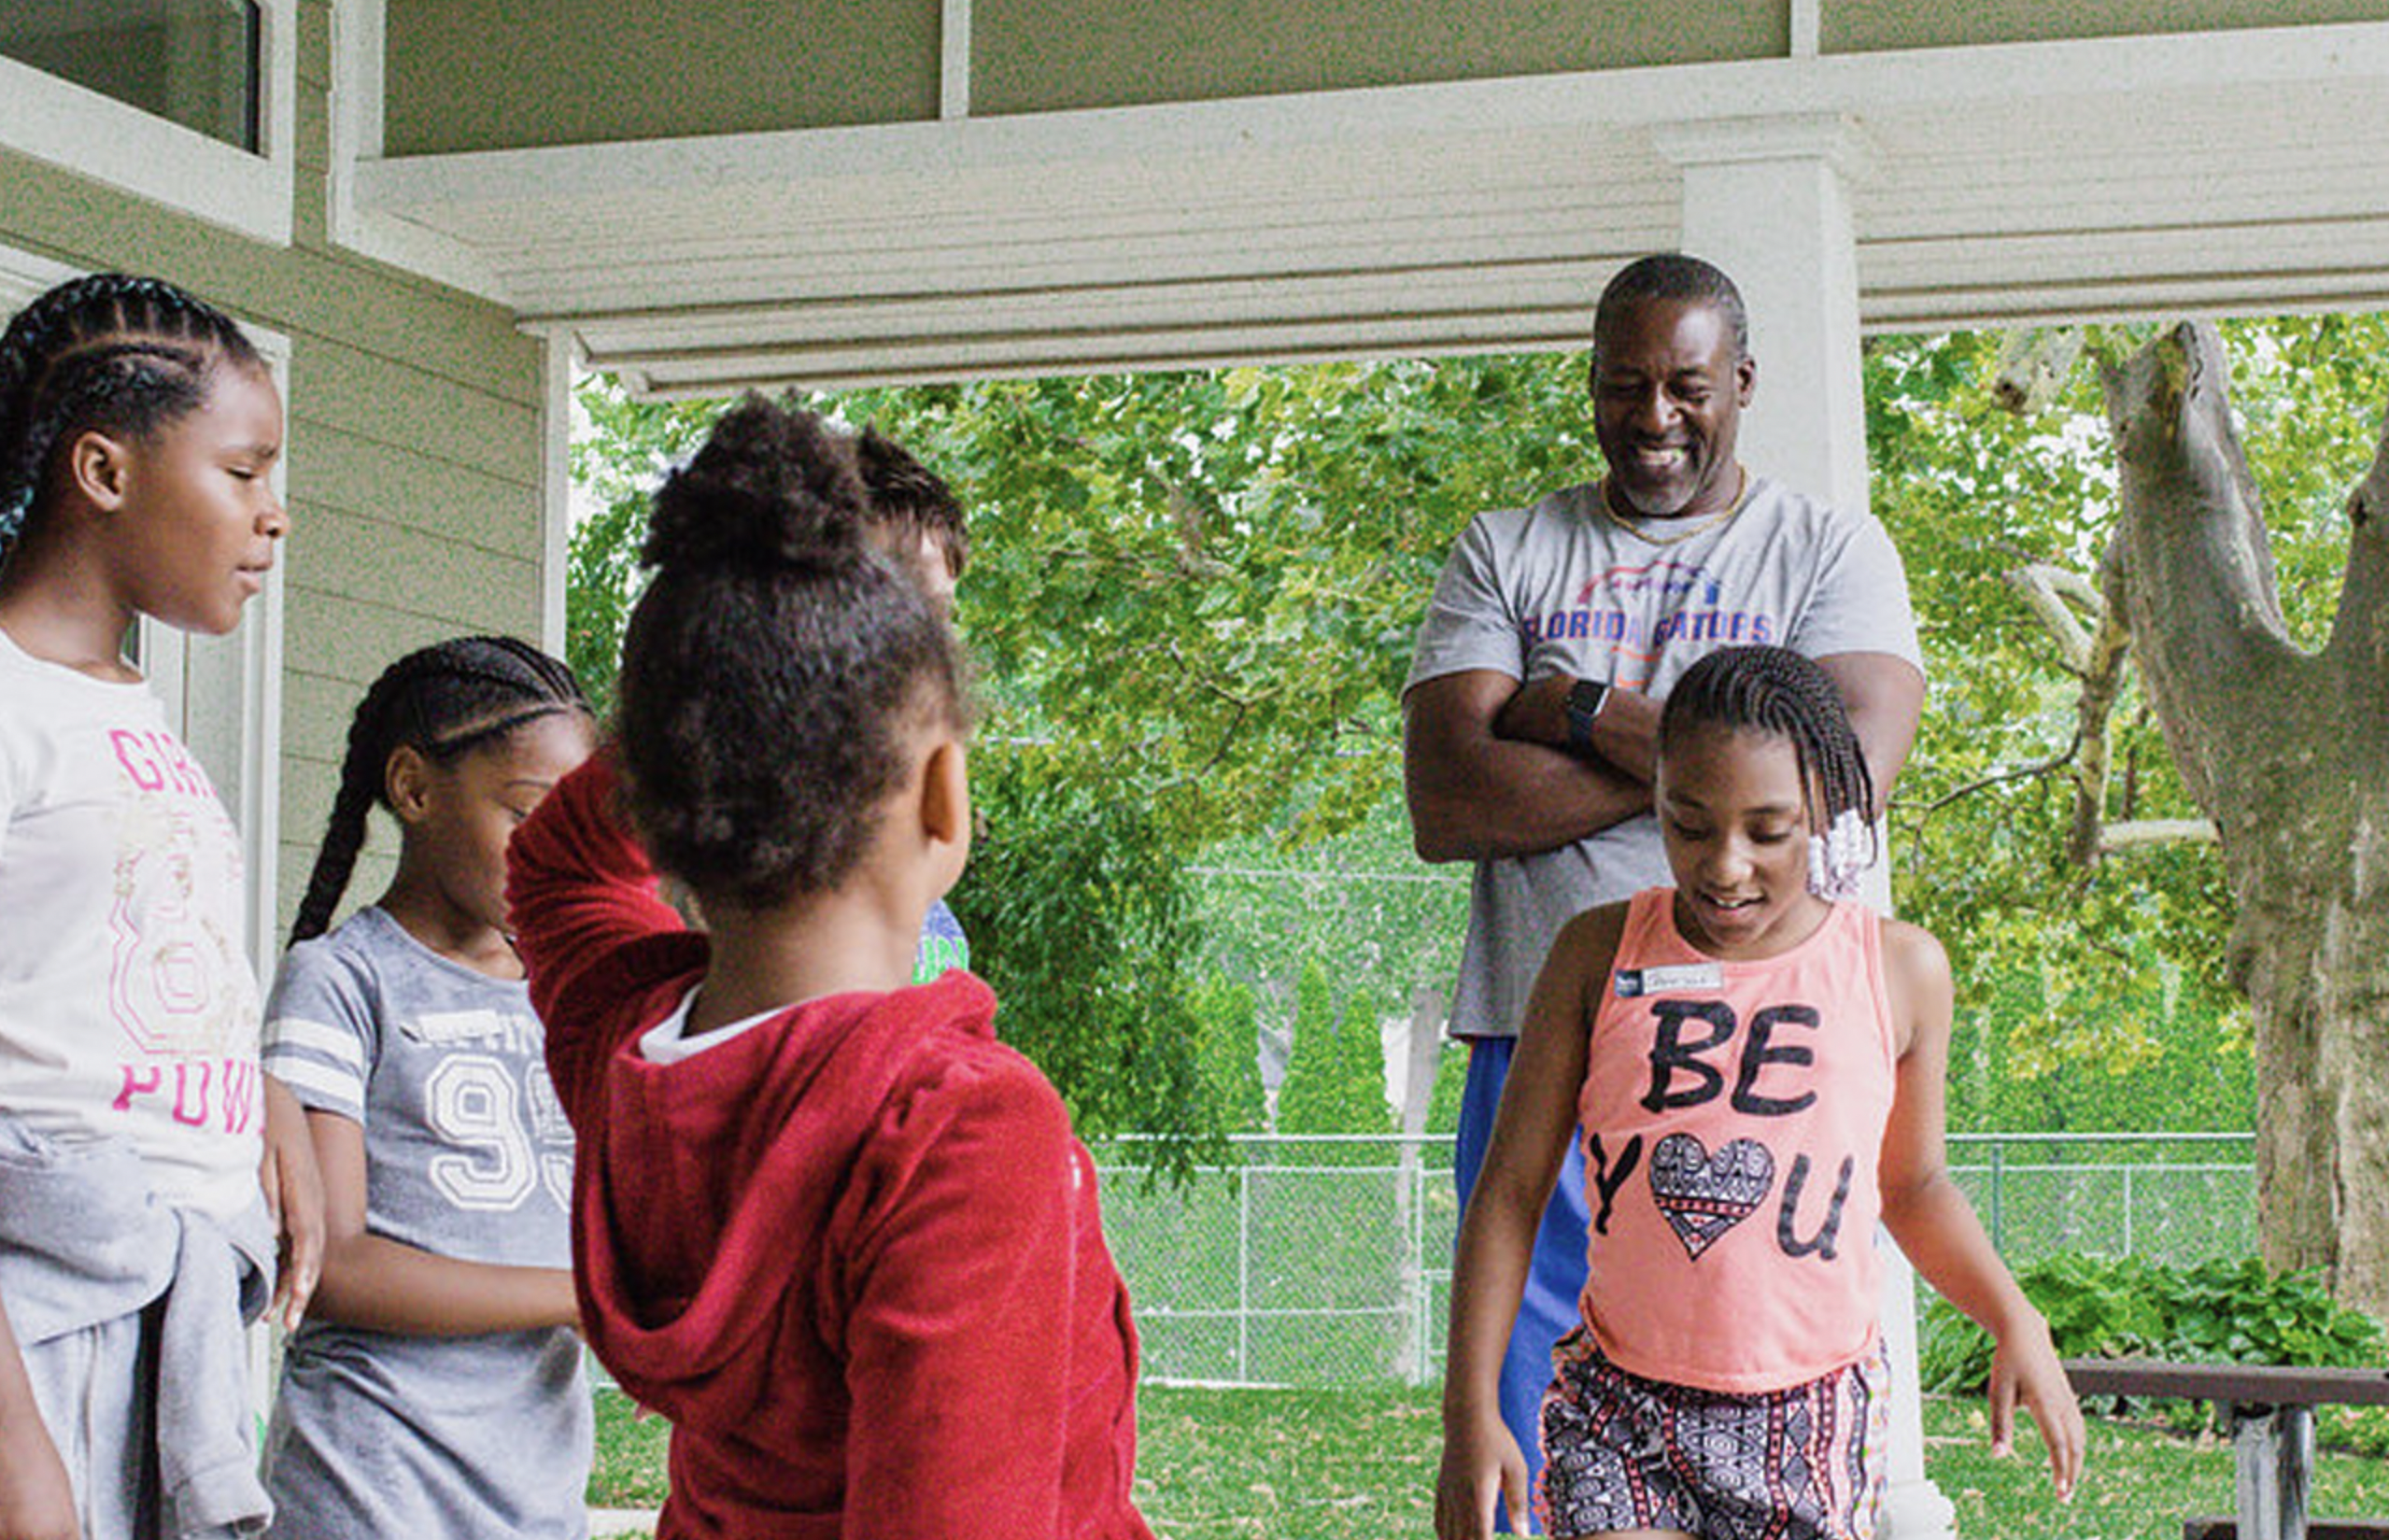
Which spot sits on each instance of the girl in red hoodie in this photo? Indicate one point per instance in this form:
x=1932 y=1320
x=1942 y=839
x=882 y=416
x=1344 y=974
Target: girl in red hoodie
x=823 y=1221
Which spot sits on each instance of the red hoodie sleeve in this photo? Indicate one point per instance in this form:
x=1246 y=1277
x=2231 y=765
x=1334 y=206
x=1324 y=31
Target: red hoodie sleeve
x=579 y=891
x=961 y=1277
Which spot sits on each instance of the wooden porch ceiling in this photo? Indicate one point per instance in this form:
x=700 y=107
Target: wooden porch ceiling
x=2218 y=172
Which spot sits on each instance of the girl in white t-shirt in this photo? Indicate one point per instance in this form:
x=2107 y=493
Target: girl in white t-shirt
x=436 y=1387
x=138 y=431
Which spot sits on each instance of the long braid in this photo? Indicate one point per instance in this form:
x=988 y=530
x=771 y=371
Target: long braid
x=1778 y=691
x=443 y=701
x=110 y=352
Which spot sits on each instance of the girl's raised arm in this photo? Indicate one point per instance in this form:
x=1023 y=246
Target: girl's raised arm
x=1531 y=1132
x=578 y=889
x=1936 y=1227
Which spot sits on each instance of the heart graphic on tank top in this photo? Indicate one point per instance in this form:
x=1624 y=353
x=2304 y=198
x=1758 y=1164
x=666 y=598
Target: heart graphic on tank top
x=1703 y=1195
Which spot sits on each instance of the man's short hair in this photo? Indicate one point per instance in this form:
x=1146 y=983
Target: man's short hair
x=909 y=498
x=1673 y=276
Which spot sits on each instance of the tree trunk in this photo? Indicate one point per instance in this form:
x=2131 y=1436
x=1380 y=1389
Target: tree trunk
x=2288 y=752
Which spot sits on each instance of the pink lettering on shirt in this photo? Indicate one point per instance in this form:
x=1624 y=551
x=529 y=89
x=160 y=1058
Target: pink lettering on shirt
x=186 y=1114
x=138 y=1081
x=206 y=1092
x=240 y=1093
x=158 y=761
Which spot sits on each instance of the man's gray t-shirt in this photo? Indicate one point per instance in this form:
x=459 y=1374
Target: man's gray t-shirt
x=1562 y=588
x=468 y=1154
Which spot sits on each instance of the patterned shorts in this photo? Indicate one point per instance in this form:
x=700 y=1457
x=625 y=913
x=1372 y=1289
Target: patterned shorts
x=1625 y=1453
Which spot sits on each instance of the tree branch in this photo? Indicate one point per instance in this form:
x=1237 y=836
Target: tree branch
x=2046 y=591
x=2102 y=681
x=1997 y=777
x=2191 y=569
x=2033 y=367
x=2360 y=631
x=2142 y=833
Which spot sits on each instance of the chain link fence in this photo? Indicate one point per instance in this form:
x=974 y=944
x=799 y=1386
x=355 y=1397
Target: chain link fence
x=2178 y=1198
x=1325 y=1260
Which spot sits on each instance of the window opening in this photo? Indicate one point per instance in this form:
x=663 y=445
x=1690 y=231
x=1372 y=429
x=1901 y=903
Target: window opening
x=196 y=62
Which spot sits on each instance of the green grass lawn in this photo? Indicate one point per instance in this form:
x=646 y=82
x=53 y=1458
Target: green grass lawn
x=628 y=1470
x=1361 y=1465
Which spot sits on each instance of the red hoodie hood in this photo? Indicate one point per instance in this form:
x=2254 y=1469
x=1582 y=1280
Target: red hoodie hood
x=709 y=1185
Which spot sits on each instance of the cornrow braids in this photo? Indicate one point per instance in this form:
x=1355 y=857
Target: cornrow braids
x=1778 y=691
x=443 y=701
x=109 y=352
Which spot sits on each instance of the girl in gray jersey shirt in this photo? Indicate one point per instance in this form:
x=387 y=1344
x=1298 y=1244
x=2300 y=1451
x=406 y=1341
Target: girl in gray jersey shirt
x=437 y=1388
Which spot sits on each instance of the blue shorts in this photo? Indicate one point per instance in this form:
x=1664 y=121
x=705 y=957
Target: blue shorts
x=1555 y=1276
x=1622 y=1452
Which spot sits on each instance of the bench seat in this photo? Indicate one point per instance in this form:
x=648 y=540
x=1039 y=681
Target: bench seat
x=2316 y=1529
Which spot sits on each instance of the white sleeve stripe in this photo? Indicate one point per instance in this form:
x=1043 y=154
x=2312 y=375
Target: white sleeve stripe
x=331 y=1043
x=303 y=1075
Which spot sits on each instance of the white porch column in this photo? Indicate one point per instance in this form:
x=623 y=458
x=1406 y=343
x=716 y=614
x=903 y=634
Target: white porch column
x=1767 y=198
x=562 y=364
x=1768 y=201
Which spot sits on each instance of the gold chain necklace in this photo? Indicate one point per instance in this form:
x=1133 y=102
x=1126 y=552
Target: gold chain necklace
x=1741 y=497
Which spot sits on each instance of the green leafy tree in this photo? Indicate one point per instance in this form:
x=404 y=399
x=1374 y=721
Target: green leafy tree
x=1451 y=1080
x=1204 y=586
x=1195 y=593
x=2173 y=597
x=2077 y=980
x=2279 y=738
x=1193 y=597
x=1335 y=1072
x=1228 y=1020
x=1078 y=920
x=618 y=457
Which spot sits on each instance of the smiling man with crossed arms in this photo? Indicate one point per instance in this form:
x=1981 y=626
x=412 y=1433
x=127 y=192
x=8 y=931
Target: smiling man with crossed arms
x=1551 y=640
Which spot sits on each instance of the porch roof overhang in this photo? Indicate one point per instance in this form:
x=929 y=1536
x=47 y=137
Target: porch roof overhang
x=2209 y=172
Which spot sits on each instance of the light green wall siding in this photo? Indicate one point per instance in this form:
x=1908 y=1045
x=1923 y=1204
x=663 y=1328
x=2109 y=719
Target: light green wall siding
x=1859 y=26
x=413 y=455
x=467 y=74
x=464 y=75
x=1035 y=55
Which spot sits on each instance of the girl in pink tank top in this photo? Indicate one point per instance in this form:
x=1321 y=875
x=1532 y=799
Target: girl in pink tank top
x=1755 y=1063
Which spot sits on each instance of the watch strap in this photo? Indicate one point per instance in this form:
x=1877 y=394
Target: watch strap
x=1585 y=699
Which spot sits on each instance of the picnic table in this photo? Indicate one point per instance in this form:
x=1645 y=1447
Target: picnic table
x=2270 y=1413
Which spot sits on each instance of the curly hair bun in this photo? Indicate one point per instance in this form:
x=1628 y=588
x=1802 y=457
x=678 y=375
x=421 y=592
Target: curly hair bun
x=771 y=486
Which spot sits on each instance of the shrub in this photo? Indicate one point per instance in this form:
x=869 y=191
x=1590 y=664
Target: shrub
x=2235 y=1312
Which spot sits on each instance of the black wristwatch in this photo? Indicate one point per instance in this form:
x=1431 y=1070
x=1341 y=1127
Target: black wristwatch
x=1584 y=703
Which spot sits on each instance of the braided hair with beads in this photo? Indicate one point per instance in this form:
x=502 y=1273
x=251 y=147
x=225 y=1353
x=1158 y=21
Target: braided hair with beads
x=1777 y=691
x=443 y=701
x=111 y=353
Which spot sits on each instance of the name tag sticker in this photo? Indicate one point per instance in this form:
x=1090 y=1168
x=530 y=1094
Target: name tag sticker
x=1675 y=976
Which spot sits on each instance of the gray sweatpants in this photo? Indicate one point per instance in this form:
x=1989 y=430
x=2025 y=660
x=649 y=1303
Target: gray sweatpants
x=128 y=1314
x=93 y=1388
